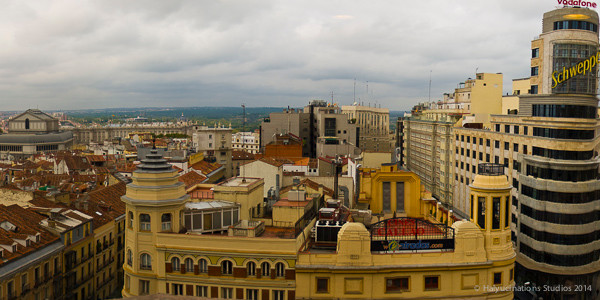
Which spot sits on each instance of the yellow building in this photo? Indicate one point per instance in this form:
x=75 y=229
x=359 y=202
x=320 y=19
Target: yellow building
x=389 y=189
x=30 y=256
x=408 y=257
x=76 y=233
x=210 y=248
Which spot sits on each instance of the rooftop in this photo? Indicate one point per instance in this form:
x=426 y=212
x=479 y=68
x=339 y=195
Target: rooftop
x=240 y=181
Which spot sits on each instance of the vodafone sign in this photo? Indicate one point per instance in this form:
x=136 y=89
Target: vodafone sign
x=578 y=3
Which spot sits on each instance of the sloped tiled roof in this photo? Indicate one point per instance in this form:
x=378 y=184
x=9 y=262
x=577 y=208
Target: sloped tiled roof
x=27 y=223
x=191 y=178
x=105 y=204
x=205 y=167
x=307 y=182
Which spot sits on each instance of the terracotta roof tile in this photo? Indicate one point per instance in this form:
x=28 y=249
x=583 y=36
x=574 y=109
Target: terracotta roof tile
x=191 y=178
x=27 y=223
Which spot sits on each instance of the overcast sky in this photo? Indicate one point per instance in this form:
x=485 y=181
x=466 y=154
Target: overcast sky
x=114 y=53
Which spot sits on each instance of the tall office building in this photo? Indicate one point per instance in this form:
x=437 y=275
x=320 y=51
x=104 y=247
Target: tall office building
x=322 y=127
x=550 y=149
x=428 y=131
x=373 y=124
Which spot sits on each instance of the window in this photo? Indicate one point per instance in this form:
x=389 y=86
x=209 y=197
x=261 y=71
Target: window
x=201 y=291
x=322 y=285
x=189 y=265
x=534 y=71
x=487 y=142
x=144 y=287
x=252 y=294
x=516 y=129
x=534 y=89
x=535 y=53
x=398 y=284
x=516 y=147
x=202 y=265
x=176 y=264
x=166 y=222
x=563 y=133
x=432 y=283
x=497 y=144
x=506 y=212
x=251 y=269
x=481 y=210
x=177 y=289
x=506 y=146
x=130 y=219
x=145 y=261
x=564 y=111
x=511 y=275
x=26 y=123
x=498 y=278
x=144 y=222
x=496 y=213
x=265 y=269
x=226 y=267
x=481 y=141
x=227 y=293
x=497 y=127
x=278 y=295
x=468 y=139
x=280 y=269
x=129 y=257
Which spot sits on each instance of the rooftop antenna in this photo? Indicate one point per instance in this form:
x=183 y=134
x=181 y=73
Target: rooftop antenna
x=354 y=91
x=331 y=98
x=243 y=139
x=430 y=85
x=367 y=89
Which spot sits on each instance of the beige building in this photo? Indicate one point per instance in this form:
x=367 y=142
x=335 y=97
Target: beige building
x=214 y=248
x=33 y=132
x=373 y=124
x=322 y=127
x=396 y=259
x=215 y=143
x=246 y=141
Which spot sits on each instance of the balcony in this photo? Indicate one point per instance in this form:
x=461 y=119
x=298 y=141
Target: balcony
x=25 y=289
x=247 y=228
x=105 y=264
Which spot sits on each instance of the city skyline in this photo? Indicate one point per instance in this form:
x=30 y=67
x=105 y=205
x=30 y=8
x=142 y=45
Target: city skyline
x=72 y=55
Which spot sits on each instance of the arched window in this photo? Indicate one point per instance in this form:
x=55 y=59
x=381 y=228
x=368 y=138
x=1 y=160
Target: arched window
x=176 y=264
x=226 y=267
x=130 y=219
x=189 y=265
x=166 y=222
x=145 y=261
x=26 y=123
x=280 y=269
x=129 y=257
x=265 y=269
x=251 y=269
x=202 y=265
x=144 y=222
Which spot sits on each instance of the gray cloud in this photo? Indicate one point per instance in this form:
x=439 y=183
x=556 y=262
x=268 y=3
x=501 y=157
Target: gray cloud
x=109 y=53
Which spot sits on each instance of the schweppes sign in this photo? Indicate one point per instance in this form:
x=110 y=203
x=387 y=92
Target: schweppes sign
x=580 y=68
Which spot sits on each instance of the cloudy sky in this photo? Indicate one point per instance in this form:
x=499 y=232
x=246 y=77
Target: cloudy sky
x=114 y=53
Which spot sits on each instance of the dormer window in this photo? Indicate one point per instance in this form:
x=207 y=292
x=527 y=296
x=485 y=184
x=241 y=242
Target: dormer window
x=27 y=242
x=1 y=253
x=37 y=237
x=14 y=248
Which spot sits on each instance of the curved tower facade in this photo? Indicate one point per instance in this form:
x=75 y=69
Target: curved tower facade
x=154 y=200
x=558 y=207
